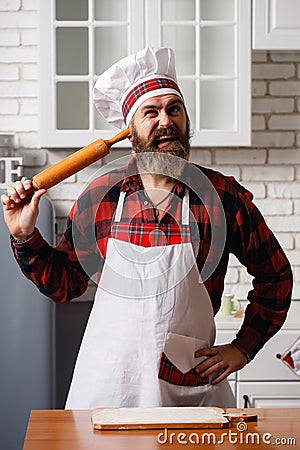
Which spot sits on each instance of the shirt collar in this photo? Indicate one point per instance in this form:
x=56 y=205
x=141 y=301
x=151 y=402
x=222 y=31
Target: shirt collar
x=132 y=180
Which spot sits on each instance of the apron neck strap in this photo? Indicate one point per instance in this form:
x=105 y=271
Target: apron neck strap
x=120 y=205
x=185 y=210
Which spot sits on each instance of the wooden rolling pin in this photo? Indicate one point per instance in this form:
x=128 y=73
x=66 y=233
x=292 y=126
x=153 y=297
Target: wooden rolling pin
x=76 y=162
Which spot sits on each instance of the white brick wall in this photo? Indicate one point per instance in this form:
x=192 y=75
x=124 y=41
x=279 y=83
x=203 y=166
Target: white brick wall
x=270 y=168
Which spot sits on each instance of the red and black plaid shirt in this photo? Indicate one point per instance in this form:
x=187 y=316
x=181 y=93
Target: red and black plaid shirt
x=58 y=274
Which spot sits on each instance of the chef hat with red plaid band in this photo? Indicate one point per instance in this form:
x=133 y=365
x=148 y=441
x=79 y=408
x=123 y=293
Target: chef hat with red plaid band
x=122 y=88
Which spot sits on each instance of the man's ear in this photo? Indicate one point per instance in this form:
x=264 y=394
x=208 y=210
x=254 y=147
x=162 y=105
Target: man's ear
x=129 y=137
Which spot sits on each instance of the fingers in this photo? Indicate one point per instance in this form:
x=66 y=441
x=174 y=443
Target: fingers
x=23 y=187
x=224 y=374
x=220 y=361
x=5 y=200
x=20 y=193
x=19 y=190
x=213 y=363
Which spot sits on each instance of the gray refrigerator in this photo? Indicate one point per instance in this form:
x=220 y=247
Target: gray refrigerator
x=26 y=339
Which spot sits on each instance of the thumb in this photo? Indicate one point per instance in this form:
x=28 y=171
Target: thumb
x=37 y=197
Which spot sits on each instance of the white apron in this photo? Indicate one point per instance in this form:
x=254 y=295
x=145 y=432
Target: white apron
x=151 y=312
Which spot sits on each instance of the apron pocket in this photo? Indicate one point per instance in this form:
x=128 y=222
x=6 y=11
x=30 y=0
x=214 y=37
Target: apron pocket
x=177 y=363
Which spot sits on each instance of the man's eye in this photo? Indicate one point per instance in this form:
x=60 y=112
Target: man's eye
x=150 y=112
x=174 y=110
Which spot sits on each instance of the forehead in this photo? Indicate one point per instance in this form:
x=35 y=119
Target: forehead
x=161 y=101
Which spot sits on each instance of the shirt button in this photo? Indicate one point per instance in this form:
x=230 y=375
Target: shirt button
x=146 y=203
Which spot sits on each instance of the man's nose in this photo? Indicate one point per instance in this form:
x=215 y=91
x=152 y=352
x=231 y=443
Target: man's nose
x=164 y=119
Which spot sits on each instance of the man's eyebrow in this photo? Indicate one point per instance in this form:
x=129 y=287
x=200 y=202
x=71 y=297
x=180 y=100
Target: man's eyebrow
x=148 y=107
x=172 y=102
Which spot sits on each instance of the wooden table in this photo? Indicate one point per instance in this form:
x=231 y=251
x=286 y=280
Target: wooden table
x=72 y=430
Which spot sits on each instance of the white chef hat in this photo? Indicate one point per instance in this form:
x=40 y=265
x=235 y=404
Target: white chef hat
x=121 y=89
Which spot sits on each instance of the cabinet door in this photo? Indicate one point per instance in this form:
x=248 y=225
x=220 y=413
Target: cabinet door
x=211 y=39
x=276 y=24
x=268 y=395
x=80 y=40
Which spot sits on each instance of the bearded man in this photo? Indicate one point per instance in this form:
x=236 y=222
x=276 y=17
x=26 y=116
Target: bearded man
x=158 y=233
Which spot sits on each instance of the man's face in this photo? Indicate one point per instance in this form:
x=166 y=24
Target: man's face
x=160 y=126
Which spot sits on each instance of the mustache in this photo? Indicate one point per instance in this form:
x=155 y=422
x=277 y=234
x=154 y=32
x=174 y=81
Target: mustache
x=170 y=132
x=180 y=145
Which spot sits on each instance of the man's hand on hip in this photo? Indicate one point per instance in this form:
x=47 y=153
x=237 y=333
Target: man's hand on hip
x=220 y=361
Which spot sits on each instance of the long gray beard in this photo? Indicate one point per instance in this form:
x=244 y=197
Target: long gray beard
x=158 y=163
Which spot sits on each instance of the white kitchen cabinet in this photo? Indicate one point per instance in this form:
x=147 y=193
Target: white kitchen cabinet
x=265 y=381
x=276 y=25
x=268 y=395
x=212 y=42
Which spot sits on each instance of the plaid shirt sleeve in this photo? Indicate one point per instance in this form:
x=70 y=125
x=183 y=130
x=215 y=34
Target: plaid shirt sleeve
x=55 y=271
x=249 y=238
x=63 y=272
x=258 y=250
x=252 y=242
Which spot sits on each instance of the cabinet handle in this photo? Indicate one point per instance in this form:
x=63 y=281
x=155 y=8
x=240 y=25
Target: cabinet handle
x=246 y=401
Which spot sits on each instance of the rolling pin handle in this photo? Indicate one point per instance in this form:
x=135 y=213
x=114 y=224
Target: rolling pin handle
x=118 y=137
